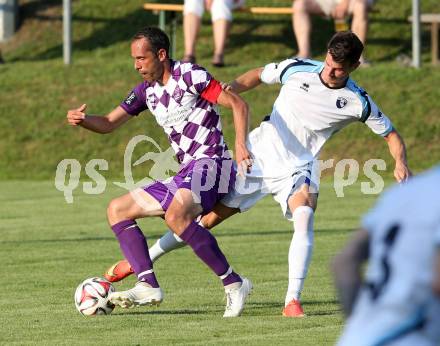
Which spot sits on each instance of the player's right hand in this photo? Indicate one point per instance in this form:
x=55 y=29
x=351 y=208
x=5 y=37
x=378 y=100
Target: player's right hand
x=402 y=173
x=76 y=116
x=244 y=159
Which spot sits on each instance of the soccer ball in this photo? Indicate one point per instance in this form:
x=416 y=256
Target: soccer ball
x=91 y=297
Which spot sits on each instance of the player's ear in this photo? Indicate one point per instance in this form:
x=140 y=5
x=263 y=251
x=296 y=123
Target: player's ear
x=162 y=54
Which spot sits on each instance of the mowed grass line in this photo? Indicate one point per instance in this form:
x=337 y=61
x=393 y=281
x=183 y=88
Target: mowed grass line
x=48 y=247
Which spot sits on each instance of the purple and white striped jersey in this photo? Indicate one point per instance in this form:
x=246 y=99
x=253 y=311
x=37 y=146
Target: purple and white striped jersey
x=181 y=107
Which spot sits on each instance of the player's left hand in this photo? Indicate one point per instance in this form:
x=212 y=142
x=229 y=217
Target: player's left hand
x=244 y=160
x=226 y=86
x=402 y=172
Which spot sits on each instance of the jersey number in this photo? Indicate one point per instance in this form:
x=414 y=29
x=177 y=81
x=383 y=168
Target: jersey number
x=376 y=288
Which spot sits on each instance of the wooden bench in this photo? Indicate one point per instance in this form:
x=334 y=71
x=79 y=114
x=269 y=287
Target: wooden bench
x=434 y=20
x=173 y=9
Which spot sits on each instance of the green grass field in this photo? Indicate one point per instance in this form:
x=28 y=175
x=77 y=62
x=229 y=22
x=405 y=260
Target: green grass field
x=48 y=247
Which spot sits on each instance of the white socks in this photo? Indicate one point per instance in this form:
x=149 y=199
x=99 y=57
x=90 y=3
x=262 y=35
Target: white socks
x=300 y=251
x=168 y=242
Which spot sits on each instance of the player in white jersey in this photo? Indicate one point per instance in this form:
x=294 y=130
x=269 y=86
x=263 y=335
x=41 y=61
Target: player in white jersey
x=398 y=302
x=316 y=100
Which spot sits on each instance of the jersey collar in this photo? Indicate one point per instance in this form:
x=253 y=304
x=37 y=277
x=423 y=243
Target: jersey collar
x=329 y=87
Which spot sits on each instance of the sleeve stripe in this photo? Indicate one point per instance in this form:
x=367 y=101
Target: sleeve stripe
x=366 y=111
x=212 y=91
x=293 y=64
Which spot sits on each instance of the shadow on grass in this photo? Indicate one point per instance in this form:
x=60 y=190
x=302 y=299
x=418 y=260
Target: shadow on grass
x=31 y=9
x=403 y=46
x=229 y=233
x=110 y=31
x=162 y=312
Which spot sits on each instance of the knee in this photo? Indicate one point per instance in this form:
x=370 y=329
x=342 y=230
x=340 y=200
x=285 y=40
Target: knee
x=176 y=221
x=299 y=6
x=115 y=211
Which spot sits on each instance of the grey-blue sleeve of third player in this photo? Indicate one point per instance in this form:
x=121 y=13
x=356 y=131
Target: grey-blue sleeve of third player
x=135 y=102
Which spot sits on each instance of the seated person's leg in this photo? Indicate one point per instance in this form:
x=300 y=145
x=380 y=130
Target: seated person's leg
x=192 y=17
x=221 y=16
x=302 y=26
x=359 y=25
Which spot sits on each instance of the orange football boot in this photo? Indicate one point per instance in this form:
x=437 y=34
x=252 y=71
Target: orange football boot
x=119 y=271
x=293 y=309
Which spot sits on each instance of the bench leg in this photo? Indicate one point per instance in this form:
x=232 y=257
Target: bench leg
x=173 y=34
x=162 y=20
x=162 y=26
x=434 y=43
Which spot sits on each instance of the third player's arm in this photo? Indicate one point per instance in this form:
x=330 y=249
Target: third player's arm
x=398 y=151
x=247 y=80
x=96 y=123
x=347 y=269
x=436 y=276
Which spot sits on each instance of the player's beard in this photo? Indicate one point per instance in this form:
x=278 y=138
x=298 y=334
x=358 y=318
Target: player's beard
x=154 y=74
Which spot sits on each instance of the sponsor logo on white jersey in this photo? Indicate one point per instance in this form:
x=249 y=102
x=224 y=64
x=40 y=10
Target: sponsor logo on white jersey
x=305 y=87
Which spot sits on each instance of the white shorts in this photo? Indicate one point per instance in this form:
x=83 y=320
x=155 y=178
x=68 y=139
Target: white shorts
x=220 y=9
x=327 y=6
x=249 y=191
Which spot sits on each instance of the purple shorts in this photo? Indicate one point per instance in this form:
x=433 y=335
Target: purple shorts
x=208 y=179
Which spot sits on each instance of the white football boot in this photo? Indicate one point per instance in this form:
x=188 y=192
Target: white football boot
x=141 y=294
x=236 y=297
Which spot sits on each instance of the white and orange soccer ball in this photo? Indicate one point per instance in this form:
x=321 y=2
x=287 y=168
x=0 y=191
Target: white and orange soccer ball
x=91 y=297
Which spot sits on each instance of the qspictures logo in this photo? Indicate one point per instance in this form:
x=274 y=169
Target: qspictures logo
x=164 y=167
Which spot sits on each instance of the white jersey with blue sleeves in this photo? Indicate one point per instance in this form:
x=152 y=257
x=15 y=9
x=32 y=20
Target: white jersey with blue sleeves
x=307 y=112
x=397 y=306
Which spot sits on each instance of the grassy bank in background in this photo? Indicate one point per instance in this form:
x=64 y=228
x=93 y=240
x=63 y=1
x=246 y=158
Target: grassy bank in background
x=36 y=88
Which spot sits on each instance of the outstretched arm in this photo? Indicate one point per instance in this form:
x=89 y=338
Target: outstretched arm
x=436 y=278
x=96 y=123
x=247 y=80
x=398 y=151
x=347 y=270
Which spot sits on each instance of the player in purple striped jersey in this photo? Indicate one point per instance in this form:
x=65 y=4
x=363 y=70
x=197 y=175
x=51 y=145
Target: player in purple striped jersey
x=182 y=98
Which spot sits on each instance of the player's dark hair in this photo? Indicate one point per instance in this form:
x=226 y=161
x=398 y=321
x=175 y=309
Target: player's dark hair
x=344 y=47
x=156 y=37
